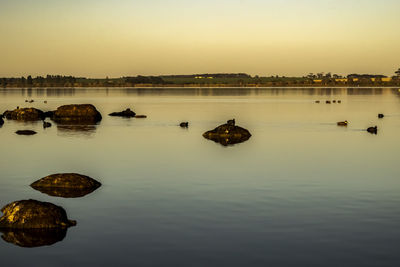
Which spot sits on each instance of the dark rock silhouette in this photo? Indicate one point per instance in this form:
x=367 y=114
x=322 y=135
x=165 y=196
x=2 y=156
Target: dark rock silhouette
x=31 y=238
x=339 y=101
x=228 y=134
x=381 y=116
x=33 y=214
x=140 y=116
x=128 y=113
x=373 y=130
x=334 y=101
x=317 y=101
x=67 y=185
x=342 y=123
x=49 y=114
x=327 y=102
x=24 y=114
x=1 y=120
x=25 y=132
x=184 y=124
x=70 y=114
x=46 y=124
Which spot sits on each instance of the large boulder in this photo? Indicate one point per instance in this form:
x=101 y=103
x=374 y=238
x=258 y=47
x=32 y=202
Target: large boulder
x=128 y=113
x=67 y=185
x=33 y=214
x=31 y=238
x=24 y=114
x=228 y=134
x=84 y=113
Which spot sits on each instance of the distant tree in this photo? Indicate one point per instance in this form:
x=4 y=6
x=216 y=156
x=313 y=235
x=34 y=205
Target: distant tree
x=29 y=80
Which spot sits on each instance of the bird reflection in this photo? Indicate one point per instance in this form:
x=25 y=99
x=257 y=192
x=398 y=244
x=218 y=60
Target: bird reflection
x=31 y=238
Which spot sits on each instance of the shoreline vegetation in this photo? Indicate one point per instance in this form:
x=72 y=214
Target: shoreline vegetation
x=206 y=80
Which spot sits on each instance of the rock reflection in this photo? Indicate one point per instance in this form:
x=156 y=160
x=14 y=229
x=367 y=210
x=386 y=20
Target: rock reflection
x=65 y=192
x=228 y=140
x=31 y=238
x=76 y=129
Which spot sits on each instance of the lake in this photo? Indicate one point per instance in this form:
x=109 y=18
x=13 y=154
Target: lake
x=300 y=192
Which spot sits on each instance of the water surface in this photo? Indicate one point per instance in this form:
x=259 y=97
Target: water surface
x=300 y=192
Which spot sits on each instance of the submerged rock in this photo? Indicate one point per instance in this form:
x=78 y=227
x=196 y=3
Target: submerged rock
x=141 y=116
x=228 y=134
x=33 y=214
x=85 y=113
x=373 y=130
x=31 y=238
x=24 y=114
x=67 y=185
x=25 y=132
x=128 y=113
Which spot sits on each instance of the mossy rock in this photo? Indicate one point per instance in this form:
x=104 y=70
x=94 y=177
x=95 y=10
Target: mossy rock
x=67 y=185
x=33 y=214
x=24 y=114
x=84 y=113
x=228 y=134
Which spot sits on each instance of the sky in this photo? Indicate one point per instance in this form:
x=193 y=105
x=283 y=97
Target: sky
x=99 y=38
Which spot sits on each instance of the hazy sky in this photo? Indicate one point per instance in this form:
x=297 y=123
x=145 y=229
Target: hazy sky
x=99 y=38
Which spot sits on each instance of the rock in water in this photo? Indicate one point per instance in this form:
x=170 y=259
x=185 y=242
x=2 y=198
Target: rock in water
x=85 y=113
x=31 y=238
x=33 y=214
x=67 y=185
x=1 y=121
x=228 y=134
x=46 y=124
x=25 y=132
x=184 y=124
x=24 y=114
x=373 y=130
x=140 y=116
x=128 y=113
x=381 y=116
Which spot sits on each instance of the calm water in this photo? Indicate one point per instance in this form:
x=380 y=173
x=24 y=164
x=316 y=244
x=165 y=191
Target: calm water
x=301 y=192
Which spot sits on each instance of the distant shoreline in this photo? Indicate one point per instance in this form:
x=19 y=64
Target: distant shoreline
x=201 y=87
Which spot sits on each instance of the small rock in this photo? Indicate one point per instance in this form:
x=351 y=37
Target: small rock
x=140 y=116
x=184 y=124
x=327 y=102
x=25 y=132
x=373 y=130
x=381 y=116
x=317 y=101
x=342 y=123
x=1 y=120
x=128 y=113
x=46 y=124
x=33 y=214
